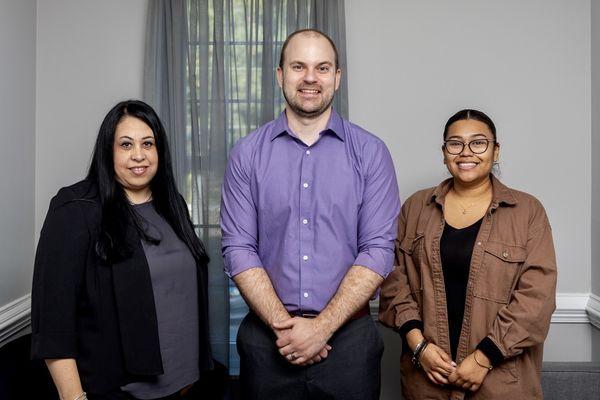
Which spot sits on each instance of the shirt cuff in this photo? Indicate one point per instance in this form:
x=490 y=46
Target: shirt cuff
x=238 y=261
x=489 y=348
x=379 y=260
x=409 y=326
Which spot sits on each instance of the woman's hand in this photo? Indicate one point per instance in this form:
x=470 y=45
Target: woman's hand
x=469 y=375
x=437 y=364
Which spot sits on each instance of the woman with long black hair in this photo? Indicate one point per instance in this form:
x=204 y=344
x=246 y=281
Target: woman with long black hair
x=119 y=298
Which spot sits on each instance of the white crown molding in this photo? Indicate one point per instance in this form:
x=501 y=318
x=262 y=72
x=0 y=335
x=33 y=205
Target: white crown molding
x=593 y=310
x=14 y=318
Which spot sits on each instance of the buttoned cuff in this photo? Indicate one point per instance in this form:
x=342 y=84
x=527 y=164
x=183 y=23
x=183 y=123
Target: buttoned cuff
x=238 y=261
x=377 y=259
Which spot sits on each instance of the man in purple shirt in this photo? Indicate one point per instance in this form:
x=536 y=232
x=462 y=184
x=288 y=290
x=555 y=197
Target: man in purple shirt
x=308 y=217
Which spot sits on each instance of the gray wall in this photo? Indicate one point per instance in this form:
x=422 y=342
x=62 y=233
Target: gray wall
x=90 y=56
x=527 y=63
x=17 y=149
x=595 y=63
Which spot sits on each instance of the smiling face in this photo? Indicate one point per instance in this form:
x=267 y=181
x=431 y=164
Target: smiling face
x=469 y=168
x=135 y=157
x=309 y=77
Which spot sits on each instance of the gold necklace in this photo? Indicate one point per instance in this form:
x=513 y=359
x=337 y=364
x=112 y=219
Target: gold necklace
x=465 y=210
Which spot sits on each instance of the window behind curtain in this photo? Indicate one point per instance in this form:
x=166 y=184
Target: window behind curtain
x=230 y=91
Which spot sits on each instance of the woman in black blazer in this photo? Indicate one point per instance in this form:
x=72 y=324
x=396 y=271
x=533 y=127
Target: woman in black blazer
x=119 y=298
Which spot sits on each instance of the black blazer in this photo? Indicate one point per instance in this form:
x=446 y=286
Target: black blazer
x=102 y=315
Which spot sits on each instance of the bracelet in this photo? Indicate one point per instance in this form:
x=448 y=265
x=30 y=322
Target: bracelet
x=422 y=352
x=488 y=367
x=82 y=396
x=416 y=358
x=419 y=346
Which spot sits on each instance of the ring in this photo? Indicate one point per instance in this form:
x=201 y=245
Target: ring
x=290 y=357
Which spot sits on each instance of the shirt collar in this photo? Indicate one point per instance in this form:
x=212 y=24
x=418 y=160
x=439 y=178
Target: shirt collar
x=501 y=194
x=335 y=125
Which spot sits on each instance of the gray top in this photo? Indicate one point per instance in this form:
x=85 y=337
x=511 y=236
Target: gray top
x=173 y=273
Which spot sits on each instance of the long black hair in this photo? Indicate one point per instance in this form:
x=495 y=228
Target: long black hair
x=117 y=214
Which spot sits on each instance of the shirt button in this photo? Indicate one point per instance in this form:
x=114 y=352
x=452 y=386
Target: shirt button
x=305 y=258
x=307 y=152
x=305 y=221
x=478 y=243
x=505 y=254
x=305 y=185
x=305 y=294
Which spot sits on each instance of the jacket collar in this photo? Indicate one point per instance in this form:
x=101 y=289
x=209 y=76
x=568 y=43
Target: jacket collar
x=335 y=125
x=501 y=194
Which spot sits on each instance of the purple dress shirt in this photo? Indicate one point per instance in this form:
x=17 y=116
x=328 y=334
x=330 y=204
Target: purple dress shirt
x=306 y=214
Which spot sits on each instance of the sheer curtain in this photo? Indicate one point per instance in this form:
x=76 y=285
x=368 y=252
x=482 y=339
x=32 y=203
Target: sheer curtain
x=210 y=73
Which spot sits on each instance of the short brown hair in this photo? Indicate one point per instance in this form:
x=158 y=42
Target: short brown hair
x=308 y=32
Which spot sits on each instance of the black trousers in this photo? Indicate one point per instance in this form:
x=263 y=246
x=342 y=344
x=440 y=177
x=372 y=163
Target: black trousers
x=352 y=371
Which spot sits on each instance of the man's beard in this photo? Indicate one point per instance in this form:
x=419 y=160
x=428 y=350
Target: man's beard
x=297 y=108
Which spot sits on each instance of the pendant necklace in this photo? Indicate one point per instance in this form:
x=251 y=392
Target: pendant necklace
x=465 y=210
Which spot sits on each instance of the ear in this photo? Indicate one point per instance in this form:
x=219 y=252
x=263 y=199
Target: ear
x=338 y=78
x=279 y=73
x=496 y=151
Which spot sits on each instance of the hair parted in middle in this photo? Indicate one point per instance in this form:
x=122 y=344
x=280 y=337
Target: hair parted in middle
x=471 y=114
x=117 y=214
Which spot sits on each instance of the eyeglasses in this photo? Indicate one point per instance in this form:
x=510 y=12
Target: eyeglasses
x=477 y=146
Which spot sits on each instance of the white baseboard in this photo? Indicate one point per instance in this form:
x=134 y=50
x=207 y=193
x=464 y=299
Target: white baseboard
x=14 y=318
x=593 y=310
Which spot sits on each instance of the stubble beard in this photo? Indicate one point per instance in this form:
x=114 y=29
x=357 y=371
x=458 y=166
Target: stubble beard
x=297 y=108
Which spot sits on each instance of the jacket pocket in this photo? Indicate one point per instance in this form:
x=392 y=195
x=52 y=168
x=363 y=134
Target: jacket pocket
x=411 y=249
x=499 y=271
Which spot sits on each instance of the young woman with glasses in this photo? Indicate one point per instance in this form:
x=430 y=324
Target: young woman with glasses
x=474 y=286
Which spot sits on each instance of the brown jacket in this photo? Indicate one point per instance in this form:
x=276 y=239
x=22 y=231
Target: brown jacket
x=510 y=291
